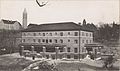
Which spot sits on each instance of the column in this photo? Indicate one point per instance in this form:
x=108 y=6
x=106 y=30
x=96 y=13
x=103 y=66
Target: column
x=50 y=57
x=85 y=50
x=57 y=52
x=72 y=56
x=95 y=52
x=100 y=50
x=65 y=51
x=22 y=51
x=44 y=50
x=72 y=53
x=32 y=51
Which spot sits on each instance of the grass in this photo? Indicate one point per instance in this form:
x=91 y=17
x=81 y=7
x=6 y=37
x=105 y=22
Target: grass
x=81 y=67
x=8 y=63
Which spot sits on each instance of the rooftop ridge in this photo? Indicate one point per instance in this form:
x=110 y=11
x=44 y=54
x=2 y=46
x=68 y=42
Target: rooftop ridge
x=51 y=23
x=8 y=21
x=60 y=26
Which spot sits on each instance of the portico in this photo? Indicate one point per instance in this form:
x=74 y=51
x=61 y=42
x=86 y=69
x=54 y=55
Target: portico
x=49 y=51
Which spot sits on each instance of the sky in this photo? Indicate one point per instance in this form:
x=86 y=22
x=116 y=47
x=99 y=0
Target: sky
x=94 y=11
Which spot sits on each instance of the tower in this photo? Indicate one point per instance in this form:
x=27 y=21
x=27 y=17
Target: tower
x=25 y=19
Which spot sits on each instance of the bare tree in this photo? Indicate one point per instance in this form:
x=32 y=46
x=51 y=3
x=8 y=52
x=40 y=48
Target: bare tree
x=8 y=40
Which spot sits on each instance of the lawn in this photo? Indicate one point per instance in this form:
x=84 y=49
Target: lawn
x=81 y=67
x=9 y=63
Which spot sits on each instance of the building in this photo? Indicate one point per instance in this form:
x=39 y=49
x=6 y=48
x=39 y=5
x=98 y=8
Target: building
x=10 y=36
x=68 y=36
x=10 y=25
x=94 y=49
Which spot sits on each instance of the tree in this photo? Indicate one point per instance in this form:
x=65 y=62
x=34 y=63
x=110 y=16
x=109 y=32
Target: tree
x=8 y=40
x=90 y=27
x=108 y=33
x=84 y=22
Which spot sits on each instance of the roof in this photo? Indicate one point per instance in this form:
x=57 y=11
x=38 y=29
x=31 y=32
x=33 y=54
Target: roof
x=8 y=21
x=64 y=26
x=94 y=45
x=41 y=45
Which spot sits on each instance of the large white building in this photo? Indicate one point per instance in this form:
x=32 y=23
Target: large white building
x=68 y=36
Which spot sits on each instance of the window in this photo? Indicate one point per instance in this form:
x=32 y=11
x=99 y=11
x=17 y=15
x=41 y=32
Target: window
x=28 y=34
x=55 y=33
x=28 y=39
x=43 y=34
x=86 y=34
x=61 y=41
x=68 y=56
x=68 y=40
x=90 y=41
x=43 y=40
x=83 y=41
x=39 y=33
x=61 y=33
x=82 y=33
x=34 y=34
x=75 y=57
x=39 y=40
x=23 y=40
x=90 y=34
x=50 y=40
x=75 y=50
x=55 y=40
x=24 y=34
x=76 y=41
x=50 y=34
x=76 y=33
x=68 y=33
x=34 y=40
x=68 y=49
x=61 y=49
x=46 y=40
x=86 y=41
x=83 y=49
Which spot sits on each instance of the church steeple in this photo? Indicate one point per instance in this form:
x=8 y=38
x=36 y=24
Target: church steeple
x=25 y=19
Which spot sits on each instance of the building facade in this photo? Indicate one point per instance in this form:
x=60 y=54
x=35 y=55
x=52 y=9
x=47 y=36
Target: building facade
x=69 y=34
x=10 y=25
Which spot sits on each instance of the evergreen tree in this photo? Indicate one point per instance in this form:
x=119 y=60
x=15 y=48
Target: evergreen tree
x=84 y=22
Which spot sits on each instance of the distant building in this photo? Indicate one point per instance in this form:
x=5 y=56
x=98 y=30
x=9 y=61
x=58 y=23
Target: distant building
x=25 y=19
x=10 y=25
x=68 y=34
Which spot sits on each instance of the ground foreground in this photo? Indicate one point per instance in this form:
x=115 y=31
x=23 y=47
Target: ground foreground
x=13 y=64
x=16 y=63
x=81 y=67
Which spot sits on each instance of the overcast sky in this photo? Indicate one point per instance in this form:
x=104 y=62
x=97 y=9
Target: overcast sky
x=61 y=11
